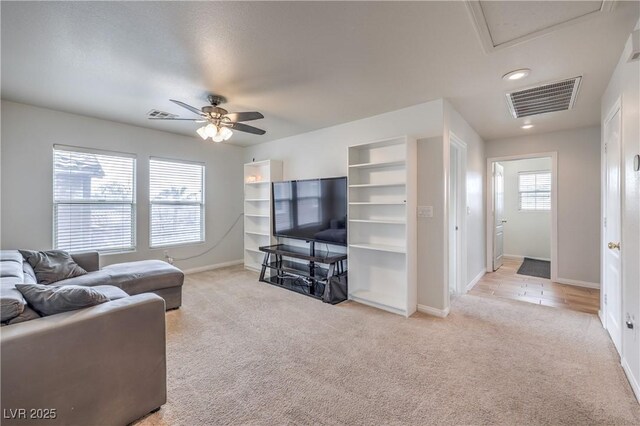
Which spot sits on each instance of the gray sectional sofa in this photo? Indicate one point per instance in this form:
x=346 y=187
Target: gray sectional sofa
x=100 y=365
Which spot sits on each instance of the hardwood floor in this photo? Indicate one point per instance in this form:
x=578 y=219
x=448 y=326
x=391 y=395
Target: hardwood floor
x=506 y=283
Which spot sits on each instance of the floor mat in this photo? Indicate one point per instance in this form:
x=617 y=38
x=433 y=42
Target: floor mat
x=535 y=268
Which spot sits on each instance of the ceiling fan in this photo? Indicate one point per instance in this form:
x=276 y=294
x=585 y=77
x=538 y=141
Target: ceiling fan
x=220 y=122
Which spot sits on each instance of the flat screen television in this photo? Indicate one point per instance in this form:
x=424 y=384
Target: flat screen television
x=311 y=210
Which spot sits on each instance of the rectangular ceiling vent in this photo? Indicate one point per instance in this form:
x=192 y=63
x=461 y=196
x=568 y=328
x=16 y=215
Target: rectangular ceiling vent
x=154 y=113
x=556 y=96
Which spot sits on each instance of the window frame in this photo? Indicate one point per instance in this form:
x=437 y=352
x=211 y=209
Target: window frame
x=535 y=172
x=133 y=203
x=193 y=203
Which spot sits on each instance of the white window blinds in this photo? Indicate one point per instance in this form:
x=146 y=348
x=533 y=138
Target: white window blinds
x=535 y=190
x=93 y=200
x=176 y=192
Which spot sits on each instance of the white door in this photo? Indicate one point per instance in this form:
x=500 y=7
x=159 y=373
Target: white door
x=498 y=215
x=453 y=221
x=612 y=257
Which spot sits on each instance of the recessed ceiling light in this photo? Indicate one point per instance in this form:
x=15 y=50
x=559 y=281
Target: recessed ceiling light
x=527 y=126
x=516 y=74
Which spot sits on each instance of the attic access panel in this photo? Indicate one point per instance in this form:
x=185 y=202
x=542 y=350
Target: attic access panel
x=551 y=97
x=501 y=24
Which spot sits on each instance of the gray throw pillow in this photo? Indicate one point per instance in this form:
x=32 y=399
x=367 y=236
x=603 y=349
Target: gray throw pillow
x=51 y=300
x=52 y=266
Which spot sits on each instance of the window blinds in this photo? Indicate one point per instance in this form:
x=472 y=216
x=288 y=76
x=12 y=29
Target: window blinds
x=535 y=190
x=176 y=193
x=93 y=200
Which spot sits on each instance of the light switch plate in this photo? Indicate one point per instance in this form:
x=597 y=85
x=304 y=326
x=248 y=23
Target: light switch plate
x=425 y=211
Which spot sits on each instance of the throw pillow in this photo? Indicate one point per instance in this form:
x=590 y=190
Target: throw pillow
x=51 y=300
x=52 y=266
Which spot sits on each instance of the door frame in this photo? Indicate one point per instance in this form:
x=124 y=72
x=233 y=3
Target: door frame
x=554 y=206
x=602 y=313
x=461 y=206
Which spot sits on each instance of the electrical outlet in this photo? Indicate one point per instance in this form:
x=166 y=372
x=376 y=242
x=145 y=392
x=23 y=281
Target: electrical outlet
x=425 y=211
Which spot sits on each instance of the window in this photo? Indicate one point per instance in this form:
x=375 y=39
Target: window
x=93 y=200
x=535 y=190
x=176 y=193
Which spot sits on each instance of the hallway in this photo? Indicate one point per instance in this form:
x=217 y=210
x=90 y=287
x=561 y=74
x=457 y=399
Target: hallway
x=506 y=283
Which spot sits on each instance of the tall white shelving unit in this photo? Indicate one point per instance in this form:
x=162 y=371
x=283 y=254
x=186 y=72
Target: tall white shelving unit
x=382 y=224
x=257 y=209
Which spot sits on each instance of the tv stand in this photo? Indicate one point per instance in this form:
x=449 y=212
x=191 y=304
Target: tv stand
x=310 y=279
x=312 y=252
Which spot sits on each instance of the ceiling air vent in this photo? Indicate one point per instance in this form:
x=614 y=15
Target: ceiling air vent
x=557 y=96
x=154 y=113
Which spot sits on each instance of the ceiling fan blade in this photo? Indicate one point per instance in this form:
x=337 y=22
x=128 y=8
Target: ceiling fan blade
x=244 y=116
x=189 y=107
x=198 y=120
x=246 y=128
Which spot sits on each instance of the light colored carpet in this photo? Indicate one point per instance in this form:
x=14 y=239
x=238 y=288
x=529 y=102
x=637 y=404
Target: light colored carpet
x=243 y=352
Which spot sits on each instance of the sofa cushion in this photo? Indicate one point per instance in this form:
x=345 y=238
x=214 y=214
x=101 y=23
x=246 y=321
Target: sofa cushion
x=52 y=266
x=10 y=255
x=11 y=268
x=29 y=274
x=27 y=315
x=51 y=300
x=90 y=279
x=12 y=303
x=112 y=292
x=144 y=276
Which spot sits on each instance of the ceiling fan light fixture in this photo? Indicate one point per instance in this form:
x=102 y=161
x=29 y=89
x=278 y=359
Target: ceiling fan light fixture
x=219 y=123
x=211 y=130
x=202 y=132
x=225 y=133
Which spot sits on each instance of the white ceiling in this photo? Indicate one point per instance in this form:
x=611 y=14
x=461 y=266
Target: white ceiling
x=304 y=65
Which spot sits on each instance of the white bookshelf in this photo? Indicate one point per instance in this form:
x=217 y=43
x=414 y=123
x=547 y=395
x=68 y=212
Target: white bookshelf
x=382 y=224
x=257 y=209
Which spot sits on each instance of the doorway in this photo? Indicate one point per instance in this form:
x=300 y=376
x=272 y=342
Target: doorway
x=457 y=215
x=530 y=182
x=522 y=214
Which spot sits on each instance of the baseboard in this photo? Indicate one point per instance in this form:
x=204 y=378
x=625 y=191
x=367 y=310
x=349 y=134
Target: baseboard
x=632 y=380
x=475 y=280
x=601 y=318
x=214 y=266
x=518 y=257
x=577 y=283
x=441 y=313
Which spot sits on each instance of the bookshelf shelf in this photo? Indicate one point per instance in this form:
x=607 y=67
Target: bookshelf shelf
x=382 y=224
x=257 y=209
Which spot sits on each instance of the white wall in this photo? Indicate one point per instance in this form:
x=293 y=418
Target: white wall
x=323 y=153
x=625 y=85
x=526 y=233
x=578 y=195
x=432 y=255
x=28 y=135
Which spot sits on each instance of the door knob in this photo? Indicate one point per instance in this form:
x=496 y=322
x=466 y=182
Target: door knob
x=614 y=246
x=503 y=221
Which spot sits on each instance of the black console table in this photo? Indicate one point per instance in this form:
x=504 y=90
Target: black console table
x=314 y=279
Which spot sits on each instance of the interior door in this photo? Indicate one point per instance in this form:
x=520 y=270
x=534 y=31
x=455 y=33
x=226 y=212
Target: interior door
x=612 y=257
x=498 y=215
x=453 y=221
